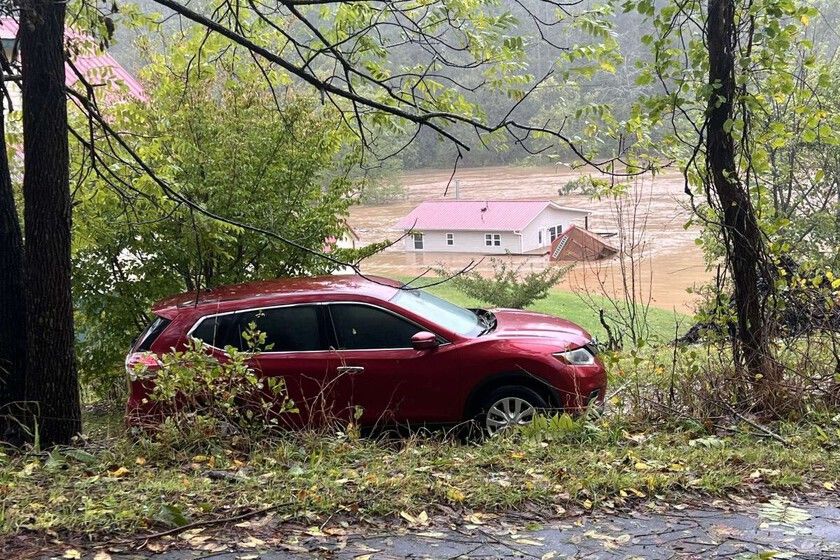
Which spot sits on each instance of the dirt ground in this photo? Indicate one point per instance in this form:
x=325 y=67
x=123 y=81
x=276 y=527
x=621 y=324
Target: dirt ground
x=669 y=260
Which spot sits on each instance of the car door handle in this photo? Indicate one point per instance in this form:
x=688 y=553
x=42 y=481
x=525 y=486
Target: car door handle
x=350 y=370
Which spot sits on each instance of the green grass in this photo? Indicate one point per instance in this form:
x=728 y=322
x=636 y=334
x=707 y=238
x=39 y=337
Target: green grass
x=570 y=306
x=118 y=486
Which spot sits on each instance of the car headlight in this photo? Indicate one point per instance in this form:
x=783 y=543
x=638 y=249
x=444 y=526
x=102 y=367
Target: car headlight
x=578 y=357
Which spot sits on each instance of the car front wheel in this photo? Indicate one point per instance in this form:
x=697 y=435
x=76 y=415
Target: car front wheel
x=508 y=407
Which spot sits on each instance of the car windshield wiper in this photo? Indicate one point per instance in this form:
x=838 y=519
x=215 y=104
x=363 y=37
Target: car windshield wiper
x=487 y=319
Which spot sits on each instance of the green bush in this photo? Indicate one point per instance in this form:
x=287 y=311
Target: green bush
x=509 y=286
x=210 y=398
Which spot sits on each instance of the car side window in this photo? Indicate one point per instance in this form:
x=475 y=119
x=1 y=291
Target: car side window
x=287 y=329
x=295 y=328
x=362 y=327
x=220 y=331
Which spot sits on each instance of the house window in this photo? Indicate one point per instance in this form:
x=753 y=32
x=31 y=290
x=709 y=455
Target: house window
x=554 y=232
x=450 y=239
x=493 y=239
x=539 y=237
x=418 y=241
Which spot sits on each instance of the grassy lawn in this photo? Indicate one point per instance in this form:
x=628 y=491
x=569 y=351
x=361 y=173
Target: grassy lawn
x=570 y=306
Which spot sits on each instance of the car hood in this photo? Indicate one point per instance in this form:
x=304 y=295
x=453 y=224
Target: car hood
x=517 y=323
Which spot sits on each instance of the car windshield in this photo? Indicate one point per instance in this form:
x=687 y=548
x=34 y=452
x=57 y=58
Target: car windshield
x=447 y=315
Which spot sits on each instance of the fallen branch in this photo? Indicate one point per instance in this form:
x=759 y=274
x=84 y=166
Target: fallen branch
x=209 y=523
x=757 y=426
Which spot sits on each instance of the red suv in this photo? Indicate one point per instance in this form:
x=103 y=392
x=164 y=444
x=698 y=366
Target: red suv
x=345 y=344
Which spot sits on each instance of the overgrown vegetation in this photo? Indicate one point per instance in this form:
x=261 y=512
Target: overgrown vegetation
x=126 y=487
x=197 y=394
x=510 y=285
x=283 y=166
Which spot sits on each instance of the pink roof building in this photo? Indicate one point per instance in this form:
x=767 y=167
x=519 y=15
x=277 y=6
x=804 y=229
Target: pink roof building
x=98 y=68
x=487 y=226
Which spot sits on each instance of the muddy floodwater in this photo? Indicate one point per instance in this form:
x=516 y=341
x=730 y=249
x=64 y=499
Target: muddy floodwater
x=651 y=221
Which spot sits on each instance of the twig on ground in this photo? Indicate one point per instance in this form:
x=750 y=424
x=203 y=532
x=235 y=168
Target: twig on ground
x=210 y=523
x=758 y=426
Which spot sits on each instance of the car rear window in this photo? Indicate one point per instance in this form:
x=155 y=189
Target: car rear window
x=152 y=332
x=219 y=331
x=288 y=329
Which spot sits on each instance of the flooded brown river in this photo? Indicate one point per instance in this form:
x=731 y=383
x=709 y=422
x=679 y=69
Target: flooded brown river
x=653 y=221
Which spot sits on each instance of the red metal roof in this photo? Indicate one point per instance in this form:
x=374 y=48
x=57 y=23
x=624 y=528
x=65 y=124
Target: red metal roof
x=98 y=68
x=476 y=215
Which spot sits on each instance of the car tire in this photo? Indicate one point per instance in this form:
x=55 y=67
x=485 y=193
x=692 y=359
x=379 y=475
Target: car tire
x=508 y=406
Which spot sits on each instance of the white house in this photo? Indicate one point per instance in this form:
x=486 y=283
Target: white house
x=488 y=226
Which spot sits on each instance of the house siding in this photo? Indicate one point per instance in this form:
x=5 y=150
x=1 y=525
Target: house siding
x=548 y=218
x=465 y=242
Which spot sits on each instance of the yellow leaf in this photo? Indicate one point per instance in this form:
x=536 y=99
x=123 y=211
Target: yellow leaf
x=200 y=459
x=455 y=495
x=251 y=542
x=120 y=472
x=101 y=555
x=408 y=517
x=828 y=485
x=587 y=504
x=72 y=553
x=518 y=454
x=642 y=466
x=528 y=542
x=476 y=519
x=140 y=461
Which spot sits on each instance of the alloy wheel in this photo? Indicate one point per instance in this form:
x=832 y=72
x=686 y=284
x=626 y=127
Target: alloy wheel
x=508 y=412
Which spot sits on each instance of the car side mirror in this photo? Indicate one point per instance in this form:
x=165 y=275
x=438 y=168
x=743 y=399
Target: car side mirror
x=424 y=341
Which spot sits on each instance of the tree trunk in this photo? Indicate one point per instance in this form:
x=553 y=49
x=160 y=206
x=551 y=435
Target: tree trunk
x=12 y=316
x=744 y=244
x=52 y=384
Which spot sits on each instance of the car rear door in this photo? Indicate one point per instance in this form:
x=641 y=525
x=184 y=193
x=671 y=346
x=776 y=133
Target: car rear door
x=296 y=349
x=381 y=372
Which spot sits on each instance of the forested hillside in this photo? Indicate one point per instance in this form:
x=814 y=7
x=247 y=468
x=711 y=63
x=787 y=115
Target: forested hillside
x=556 y=99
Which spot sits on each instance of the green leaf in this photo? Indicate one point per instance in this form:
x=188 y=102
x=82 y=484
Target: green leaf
x=81 y=456
x=171 y=515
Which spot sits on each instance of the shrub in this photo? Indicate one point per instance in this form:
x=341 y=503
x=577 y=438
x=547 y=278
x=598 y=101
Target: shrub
x=509 y=286
x=210 y=398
